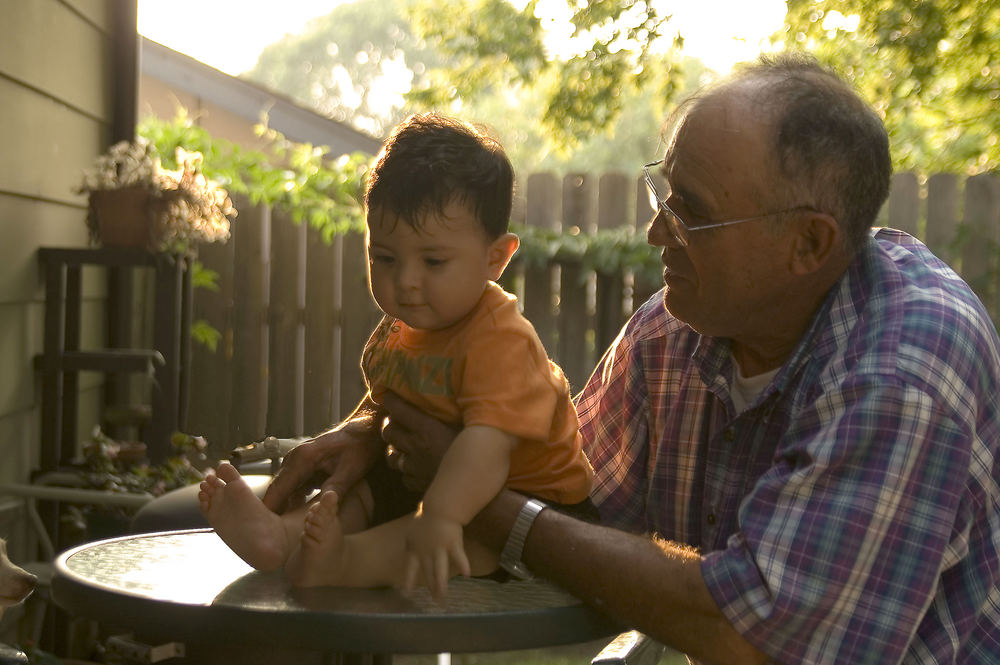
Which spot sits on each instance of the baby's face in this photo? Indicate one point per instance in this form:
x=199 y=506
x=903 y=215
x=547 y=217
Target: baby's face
x=432 y=276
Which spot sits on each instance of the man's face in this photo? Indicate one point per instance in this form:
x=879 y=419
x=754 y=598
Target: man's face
x=432 y=276
x=728 y=281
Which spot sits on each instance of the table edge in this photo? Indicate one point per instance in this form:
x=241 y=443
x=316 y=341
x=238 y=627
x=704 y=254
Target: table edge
x=402 y=633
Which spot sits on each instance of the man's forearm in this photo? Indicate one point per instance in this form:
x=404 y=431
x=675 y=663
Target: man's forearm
x=366 y=416
x=655 y=587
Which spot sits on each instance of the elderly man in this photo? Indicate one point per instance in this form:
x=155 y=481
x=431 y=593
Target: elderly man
x=805 y=419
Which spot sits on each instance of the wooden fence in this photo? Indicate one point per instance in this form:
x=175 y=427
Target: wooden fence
x=295 y=312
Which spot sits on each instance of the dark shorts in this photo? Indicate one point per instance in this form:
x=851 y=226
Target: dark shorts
x=392 y=499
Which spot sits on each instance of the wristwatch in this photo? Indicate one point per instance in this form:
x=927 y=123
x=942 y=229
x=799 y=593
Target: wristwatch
x=510 y=557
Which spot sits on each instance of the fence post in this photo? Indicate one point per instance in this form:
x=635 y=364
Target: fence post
x=286 y=374
x=541 y=210
x=982 y=211
x=211 y=390
x=942 y=215
x=321 y=405
x=251 y=274
x=904 y=203
x=357 y=318
x=574 y=354
x=611 y=309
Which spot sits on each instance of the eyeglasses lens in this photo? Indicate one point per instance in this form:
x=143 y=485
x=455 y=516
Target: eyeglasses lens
x=654 y=201
x=674 y=223
x=677 y=228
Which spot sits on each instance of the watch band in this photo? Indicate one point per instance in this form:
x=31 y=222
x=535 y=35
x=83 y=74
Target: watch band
x=510 y=557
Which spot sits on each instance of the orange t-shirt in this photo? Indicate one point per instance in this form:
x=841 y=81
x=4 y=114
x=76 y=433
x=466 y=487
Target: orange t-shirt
x=490 y=369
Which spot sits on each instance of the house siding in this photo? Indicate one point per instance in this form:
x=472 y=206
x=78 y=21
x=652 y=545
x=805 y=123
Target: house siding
x=56 y=86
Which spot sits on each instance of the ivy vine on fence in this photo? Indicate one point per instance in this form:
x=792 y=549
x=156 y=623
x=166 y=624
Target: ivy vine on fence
x=326 y=193
x=299 y=178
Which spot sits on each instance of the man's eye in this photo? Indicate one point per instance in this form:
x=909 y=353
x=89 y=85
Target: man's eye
x=383 y=259
x=684 y=212
x=435 y=263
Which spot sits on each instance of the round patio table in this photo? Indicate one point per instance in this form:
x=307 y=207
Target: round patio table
x=188 y=586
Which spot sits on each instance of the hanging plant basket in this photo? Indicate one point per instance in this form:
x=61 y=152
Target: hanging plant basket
x=126 y=217
x=135 y=202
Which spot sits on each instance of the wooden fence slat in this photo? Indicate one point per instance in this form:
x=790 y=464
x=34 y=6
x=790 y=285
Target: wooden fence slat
x=904 y=203
x=321 y=406
x=358 y=317
x=286 y=371
x=211 y=390
x=575 y=354
x=942 y=215
x=610 y=311
x=250 y=332
x=541 y=210
x=982 y=211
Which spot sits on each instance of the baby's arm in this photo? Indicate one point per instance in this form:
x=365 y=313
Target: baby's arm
x=472 y=472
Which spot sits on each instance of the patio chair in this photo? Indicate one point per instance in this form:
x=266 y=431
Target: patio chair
x=178 y=509
x=56 y=487
x=630 y=648
x=12 y=656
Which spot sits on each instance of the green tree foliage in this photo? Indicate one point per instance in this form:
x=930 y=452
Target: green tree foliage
x=613 y=60
x=348 y=64
x=931 y=66
x=492 y=68
x=596 y=111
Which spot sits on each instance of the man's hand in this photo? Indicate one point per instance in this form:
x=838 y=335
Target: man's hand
x=433 y=543
x=418 y=441
x=335 y=460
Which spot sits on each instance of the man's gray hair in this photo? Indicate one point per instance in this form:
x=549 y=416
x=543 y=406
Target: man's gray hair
x=828 y=142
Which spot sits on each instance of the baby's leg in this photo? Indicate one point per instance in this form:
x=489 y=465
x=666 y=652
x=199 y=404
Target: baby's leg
x=321 y=558
x=260 y=537
x=371 y=558
x=355 y=509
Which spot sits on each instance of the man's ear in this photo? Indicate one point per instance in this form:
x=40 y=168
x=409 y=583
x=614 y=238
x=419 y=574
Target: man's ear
x=816 y=241
x=500 y=252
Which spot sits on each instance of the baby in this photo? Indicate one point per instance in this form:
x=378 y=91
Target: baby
x=453 y=343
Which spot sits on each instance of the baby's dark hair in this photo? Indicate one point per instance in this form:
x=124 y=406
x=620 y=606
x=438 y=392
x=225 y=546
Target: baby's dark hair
x=430 y=160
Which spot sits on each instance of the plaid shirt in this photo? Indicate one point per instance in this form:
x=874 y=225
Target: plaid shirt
x=850 y=514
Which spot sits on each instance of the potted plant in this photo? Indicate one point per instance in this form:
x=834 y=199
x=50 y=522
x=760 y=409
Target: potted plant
x=134 y=201
x=122 y=466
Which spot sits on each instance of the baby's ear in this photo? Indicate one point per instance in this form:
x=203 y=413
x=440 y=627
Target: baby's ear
x=500 y=252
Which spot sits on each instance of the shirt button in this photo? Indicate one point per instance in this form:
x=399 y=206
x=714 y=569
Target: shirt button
x=729 y=434
x=711 y=518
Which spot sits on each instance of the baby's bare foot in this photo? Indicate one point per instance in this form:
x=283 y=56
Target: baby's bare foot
x=321 y=559
x=245 y=524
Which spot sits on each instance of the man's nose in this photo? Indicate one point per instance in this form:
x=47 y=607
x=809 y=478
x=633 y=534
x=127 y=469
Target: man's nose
x=658 y=233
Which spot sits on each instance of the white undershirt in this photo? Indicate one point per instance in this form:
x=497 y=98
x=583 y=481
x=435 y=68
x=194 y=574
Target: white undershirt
x=746 y=388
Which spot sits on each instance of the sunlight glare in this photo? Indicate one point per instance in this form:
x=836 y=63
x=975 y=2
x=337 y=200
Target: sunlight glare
x=230 y=34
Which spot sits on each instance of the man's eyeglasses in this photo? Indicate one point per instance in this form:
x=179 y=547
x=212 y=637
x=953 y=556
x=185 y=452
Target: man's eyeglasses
x=680 y=229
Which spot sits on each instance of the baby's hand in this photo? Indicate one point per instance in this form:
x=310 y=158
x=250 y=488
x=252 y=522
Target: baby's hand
x=433 y=542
